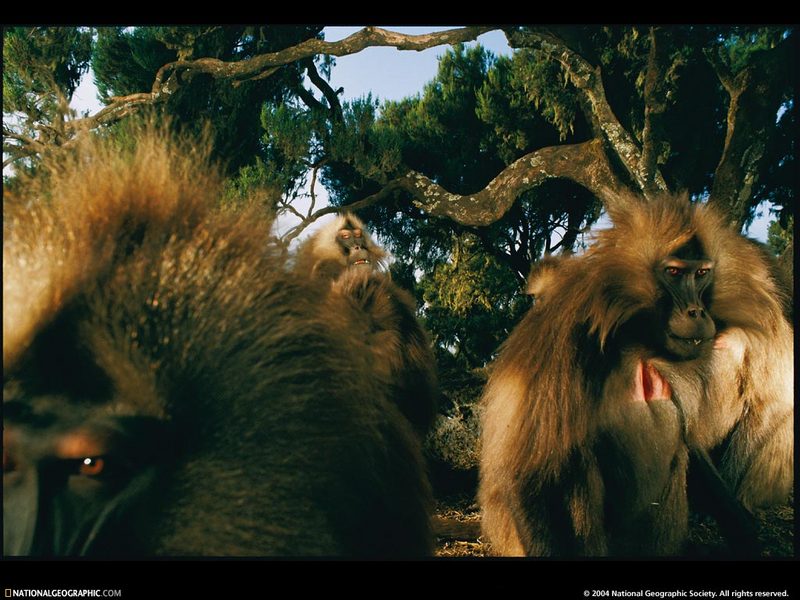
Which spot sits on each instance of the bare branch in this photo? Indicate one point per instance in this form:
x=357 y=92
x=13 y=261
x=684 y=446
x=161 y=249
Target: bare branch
x=311 y=190
x=15 y=155
x=28 y=146
x=169 y=76
x=654 y=107
x=26 y=140
x=387 y=191
x=755 y=96
x=263 y=75
x=308 y=98
x=365 y=38
x=335 y=107
x=571 y=231
x=119 y=107
x=585 y=163
x=589 y=83
x=722 y=70
x=287 y=206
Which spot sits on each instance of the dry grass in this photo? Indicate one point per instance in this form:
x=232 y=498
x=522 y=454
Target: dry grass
x=458 y=524
x=458 y=531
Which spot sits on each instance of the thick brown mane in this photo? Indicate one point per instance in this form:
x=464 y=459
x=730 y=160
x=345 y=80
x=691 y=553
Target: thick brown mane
x=566 y=378
x=234 y=404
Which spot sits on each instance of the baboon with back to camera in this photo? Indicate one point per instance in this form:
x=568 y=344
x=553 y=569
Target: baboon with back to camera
x=170 y=388
x=343 y=258
x=667 y=337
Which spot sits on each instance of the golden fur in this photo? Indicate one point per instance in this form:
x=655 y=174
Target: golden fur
x=401 y=353
x=323 y=250
x=284 y=440
x=549 y=401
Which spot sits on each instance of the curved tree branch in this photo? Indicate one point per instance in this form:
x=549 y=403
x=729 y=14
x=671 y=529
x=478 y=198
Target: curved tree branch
x=26 y=143
x=585 y=163
x=15 y=154
x=720 y=68
x=308 y=98
x=589 y=83
x=365 y=38
x=168 y=77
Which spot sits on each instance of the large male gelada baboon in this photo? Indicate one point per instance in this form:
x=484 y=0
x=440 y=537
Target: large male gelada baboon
x=346 y=262
x=668 y=337
x=171 y=389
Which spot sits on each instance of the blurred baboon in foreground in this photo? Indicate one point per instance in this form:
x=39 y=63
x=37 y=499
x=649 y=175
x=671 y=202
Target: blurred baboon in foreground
x=170 y=389
x=667 y=337
x=346 y=262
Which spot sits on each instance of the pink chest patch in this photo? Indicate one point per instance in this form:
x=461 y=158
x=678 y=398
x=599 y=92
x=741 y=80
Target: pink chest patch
x=650 y=384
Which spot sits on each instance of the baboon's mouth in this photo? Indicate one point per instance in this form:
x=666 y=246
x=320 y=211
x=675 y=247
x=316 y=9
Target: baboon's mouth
x=361 y=261
x=649 y=384
x=690 y=341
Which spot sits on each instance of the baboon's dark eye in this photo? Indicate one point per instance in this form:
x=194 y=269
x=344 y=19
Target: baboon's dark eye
x=92 y=466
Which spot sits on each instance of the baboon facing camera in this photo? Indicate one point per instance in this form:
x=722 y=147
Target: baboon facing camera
x=667 y=338
x=347 y=263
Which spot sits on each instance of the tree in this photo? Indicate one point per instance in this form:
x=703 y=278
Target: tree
x=127 y=60
x=469 y=123
x=497 y=161
x=235 y=66
x=510 y=177
x=630 y=152
x=42 y=66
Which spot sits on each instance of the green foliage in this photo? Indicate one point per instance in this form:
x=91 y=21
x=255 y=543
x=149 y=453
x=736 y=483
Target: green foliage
x=253 y=184
x=544 y=84
x=742 y=42
x=780 y=236
x=126 y=60
x=472 y=302
x=288 y=140
x=41 y=62
x=465 y=283
x=505 y=98
x=367 y=146
x=478 y=115
x=42 y=67
x=468 y=123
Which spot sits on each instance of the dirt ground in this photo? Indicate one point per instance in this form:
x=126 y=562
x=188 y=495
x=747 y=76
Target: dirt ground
x=457 y=525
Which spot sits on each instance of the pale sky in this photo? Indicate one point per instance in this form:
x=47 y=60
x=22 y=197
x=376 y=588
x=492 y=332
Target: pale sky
x=392 y=74
x=389 y=74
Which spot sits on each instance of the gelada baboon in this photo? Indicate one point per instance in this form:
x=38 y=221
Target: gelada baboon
x=337 y=246
x=542 y=275
x=171 y=389
x=667 y=337
x=346 y=262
